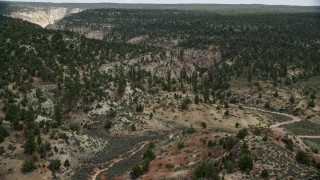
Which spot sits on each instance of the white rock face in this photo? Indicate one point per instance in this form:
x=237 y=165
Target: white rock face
x=44 y=17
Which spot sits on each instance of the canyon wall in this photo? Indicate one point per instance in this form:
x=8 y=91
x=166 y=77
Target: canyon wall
x=44 y=17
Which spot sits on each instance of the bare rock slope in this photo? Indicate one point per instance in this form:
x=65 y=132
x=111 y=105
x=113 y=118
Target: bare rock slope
x=44 y=17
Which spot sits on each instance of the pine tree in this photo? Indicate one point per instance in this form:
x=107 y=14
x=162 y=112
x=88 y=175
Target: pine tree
x=57 y=116
x=66 y=163
x=30 y=144
x=196 y=99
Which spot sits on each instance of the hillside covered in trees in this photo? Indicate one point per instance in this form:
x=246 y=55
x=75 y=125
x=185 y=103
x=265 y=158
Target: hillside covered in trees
x=270 y=45
x=157 y=91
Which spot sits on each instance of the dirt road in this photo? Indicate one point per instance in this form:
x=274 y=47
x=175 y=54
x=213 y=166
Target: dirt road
x=94 y=177
x=276 y=127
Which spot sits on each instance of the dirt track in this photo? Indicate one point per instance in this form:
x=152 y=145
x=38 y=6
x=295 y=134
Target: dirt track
x=94 y=177
x=276 y=127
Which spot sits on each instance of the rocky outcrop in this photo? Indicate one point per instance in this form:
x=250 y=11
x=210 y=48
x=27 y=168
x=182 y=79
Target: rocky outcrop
x=44 y=17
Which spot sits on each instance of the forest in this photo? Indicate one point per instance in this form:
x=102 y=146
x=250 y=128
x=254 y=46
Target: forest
x=267 y=45
x=166 y=87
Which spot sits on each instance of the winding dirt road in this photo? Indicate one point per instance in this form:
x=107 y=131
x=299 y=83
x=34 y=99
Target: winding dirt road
x=276 y=127
x=94 y=177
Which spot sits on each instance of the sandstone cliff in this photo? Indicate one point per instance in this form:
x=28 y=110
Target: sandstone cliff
x=44 y=17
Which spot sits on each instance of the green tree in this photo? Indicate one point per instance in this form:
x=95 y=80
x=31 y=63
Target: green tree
x=245 y=162
x=180 y=145
x=55 y=165
x=242 y=133
x=136 y=171
x=44 y=148
x=28 y=166
x=57 y=115
x=289 y=143
x=3 y=133
x=264 y=173
x=66 y=163
x=311 y=104
x=30 y=144
x=267 y=105
x=204 y=125
x=227 y=113
x=139 y=108
x=149 y=155
x=303 y=158
x=185 y=103
x=211 y=143
x=230 y=166
x=228 y=143
x=196 y=99
x=207 y=171
x=291 y=100
x=108 y=125
x=40 y=97
x=12 y=113
x=74 y=127
x=249 y=77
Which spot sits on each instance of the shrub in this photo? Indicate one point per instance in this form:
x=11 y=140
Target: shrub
x=289 y=143
x=227 y=113
x=196 y=99
x=265 y=138
x=191 y=130
x=136 y=171
x=267 y=105
x=28 y=166
x=133 y=127
x=211 y=143
x=244 y=149
x=311 y=104
x=257 y=131
x=3 y=133
x=112 y=113
x=185 y=103
x=149 y=155
x=66 y=163
x=139 y=108
x=291 y=100
x=98 y=106
x=2 y=150
x=30 y=144
x=169 y=166
x=228 y=143
x=55 y=149
x=74 y=127
x=34 y=158
x=207 y=171
x=315 y=150
x=245 y=162
x=264 y=173
x=108 y=125
x=55 y=165
x=242 y=133
x=180 y=145
x=230 y=166
x=44 y=147
x=203 y=125
x=303 y=157
x=152 y=145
